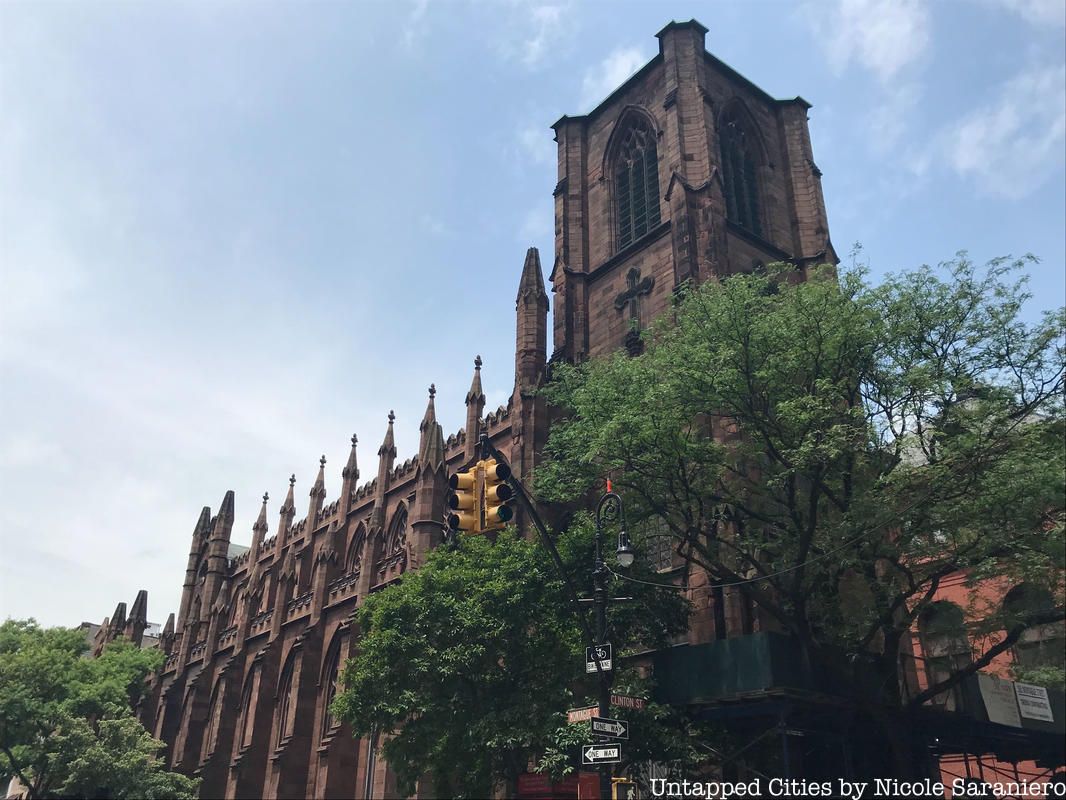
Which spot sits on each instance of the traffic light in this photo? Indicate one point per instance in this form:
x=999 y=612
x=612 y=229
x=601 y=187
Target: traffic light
x=464 y=501
x=498 y=511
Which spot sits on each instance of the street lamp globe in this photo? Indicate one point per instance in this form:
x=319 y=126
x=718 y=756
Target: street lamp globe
x=624 y=554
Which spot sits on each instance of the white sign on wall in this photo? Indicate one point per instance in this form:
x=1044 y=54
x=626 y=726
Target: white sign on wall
x=1000 y=703
x=1033 y=702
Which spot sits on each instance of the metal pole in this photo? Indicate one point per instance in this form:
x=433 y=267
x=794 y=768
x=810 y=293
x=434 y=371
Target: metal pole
x=599 y=582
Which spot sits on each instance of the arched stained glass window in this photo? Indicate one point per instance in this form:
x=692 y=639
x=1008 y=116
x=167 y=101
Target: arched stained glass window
x=245 y=723
x=286 y=707
x=214 y=720
x=330 y=676
x=636 y=182
x=354 y=560
x=740 y=170
x=397 y=538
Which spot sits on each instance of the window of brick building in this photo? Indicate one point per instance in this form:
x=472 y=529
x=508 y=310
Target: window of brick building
x=740 y=170
x=1041 y=645
x=636 y=181
x=945 y=647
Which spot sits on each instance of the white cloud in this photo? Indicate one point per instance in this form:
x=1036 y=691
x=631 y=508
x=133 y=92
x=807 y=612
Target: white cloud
x=546 y=22
x=1036 y=12
x=609 y=74
x=882 y=36
x=531 y=32
x=416 y=25
x=887 y=124
x=1010 y=145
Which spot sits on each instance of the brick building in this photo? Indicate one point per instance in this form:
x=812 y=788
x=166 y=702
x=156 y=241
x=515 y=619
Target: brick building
x=687 y=171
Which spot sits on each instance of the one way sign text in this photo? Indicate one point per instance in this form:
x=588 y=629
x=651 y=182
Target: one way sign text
x=601 y=754
x=612 y=728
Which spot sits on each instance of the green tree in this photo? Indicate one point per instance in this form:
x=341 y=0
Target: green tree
x=469 y=663
x=835 y=449
x=66 y=722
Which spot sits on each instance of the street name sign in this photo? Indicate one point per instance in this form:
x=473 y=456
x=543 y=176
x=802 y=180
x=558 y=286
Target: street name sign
x=601 y=653
x=612 y=728
x=601 y=754
x=625 y=701
x=580 y=714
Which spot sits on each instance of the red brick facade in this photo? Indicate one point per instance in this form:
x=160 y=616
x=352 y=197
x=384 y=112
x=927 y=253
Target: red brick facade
x=253 y=656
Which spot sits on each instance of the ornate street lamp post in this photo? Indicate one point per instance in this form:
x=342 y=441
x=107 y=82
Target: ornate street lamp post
x=609 y=511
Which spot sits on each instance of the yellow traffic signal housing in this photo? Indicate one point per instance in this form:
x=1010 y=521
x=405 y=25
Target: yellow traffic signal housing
x=498 y=511
x=464 y=501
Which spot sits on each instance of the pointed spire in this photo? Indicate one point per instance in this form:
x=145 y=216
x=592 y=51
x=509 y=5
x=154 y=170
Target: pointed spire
x=532 y=282
x=290 y=503
x=319 y=489
x=351 y=469
x=203 y=524
x=259 y=531
x=225 y=512
x=168 y=628
x=431 y=412
x=118 y=619
x=139 y=612
x=388 y=446
x=475 y=394
x=260 y=525
x=431 y=443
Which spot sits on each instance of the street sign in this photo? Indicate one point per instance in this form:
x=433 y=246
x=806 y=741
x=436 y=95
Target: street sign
x=625 y=701
x=580 y=714
x=601 y=754
x=612 y=728
x=601 y=653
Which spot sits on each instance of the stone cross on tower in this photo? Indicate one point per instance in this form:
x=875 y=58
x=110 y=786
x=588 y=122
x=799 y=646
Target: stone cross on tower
x=631 y=296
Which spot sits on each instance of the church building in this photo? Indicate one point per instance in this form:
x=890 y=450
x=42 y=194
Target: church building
x=687 y=172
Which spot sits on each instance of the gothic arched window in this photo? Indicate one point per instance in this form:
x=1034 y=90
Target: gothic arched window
x=330 y=676
x=354 y=559
x=636 y=181
x=397 y=537
x=286 y=707
x=740 y=170
x=245 y=723
x=214 y=720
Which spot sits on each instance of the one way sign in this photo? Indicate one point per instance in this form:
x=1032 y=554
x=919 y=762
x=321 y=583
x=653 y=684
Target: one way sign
x=612 y=728
x=601 y=754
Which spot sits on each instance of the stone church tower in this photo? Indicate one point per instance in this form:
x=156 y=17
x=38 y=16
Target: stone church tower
x=687 y=172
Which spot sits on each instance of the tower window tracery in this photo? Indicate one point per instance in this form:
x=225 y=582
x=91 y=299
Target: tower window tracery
x=636 y=182
x=740 y=171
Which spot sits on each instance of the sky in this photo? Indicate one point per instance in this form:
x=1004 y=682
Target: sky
x=232 y=234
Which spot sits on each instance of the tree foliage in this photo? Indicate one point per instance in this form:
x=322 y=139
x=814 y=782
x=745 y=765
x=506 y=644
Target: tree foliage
x=66 y=722
x=468 y=665
x=835 y=449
